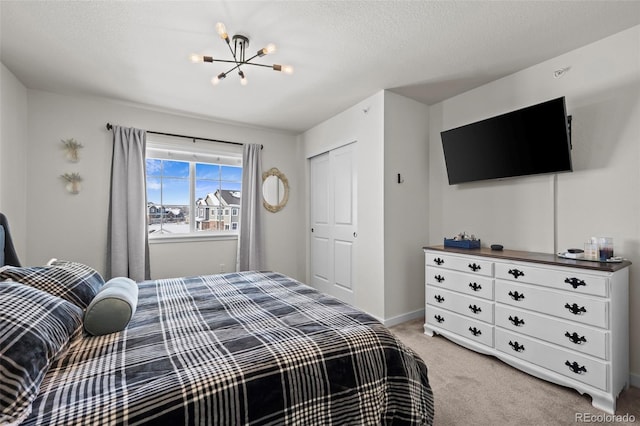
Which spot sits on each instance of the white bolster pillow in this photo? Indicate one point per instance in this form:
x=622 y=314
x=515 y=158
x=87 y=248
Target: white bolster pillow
x=112 y=308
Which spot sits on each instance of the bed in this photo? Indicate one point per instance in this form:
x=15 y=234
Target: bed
x=241 y=348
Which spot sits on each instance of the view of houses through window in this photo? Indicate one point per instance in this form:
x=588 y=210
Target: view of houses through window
x=186 y=197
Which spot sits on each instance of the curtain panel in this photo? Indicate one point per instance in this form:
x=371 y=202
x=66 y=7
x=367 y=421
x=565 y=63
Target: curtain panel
x=250 y=238
x=128 y=244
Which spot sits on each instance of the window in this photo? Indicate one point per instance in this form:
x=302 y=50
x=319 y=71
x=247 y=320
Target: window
x=187 y=191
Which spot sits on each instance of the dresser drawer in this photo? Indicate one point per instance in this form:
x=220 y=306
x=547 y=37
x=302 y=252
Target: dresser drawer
x=582 y=309
x=562 y=361
x=470 y=265
x=580 y=338
x=472 y=307
x=474 y=285
x=569 y=279
x=463 y=326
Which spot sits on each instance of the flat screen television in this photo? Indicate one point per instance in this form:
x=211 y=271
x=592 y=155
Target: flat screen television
x=528 y=141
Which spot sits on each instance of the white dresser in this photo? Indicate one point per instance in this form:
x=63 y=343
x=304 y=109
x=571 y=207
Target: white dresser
x=565 y=321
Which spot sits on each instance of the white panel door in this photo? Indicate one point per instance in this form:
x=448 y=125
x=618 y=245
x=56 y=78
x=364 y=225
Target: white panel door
x=321 y=274
x=333 y=221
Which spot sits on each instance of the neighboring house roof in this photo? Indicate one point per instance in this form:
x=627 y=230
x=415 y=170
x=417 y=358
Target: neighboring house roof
x=228 y=197
x=209 y=200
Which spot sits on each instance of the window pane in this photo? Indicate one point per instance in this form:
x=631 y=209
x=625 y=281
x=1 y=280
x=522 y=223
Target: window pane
x=207 y=171
x=168 y=206
x=213 y=185
x=175 y=191
x=154 y=167
x=232 y=174
x=154 y=190
x=216 y=195
x=232 y=186
x=175 y=168
x=204 y=188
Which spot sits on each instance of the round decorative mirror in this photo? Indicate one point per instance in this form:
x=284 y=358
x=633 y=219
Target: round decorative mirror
x=275 y=190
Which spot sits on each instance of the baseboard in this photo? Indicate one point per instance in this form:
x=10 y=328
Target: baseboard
x=390 y=322
x=634 y=380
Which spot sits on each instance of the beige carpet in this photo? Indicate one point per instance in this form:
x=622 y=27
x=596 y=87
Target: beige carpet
x=475 y=389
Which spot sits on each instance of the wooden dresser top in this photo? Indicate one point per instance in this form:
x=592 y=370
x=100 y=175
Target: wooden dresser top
x=527 y=256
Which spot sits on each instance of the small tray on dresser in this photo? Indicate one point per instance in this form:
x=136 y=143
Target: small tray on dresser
x=612 y=260
x=468 y=244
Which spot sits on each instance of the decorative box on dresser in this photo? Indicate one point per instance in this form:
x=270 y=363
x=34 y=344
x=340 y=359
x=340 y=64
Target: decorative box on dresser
x=562 y=320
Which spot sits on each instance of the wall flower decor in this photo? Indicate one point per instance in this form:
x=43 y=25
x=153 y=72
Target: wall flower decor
x=72 y=146
x=73 y=182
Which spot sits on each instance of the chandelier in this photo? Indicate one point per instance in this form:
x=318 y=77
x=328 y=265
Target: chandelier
x=238 y=51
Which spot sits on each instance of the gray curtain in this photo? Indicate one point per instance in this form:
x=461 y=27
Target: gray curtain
x=250 y=233
x=128 y=244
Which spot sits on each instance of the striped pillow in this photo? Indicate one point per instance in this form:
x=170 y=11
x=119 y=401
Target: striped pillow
x=36 y=328
x=72 y=281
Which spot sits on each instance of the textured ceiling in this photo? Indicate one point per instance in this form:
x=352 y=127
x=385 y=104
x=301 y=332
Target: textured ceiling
x=342 y=51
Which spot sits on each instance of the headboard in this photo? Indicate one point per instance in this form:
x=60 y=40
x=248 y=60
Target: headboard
x=8 y=255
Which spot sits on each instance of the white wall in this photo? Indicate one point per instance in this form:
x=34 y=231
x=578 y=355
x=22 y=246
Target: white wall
x=600 y=198
x=13 y=157
x=406 y=151
x=391 y=132
x=75 y=226
x=362 y=123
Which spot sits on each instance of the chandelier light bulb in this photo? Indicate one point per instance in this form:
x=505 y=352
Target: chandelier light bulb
x=196 y=58
x=215 y=80
x=265 y=50
x=287 y=69
x=243 y=78
x=222 y=31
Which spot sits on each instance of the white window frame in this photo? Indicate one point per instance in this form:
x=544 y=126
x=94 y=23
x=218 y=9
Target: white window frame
x=178 y=149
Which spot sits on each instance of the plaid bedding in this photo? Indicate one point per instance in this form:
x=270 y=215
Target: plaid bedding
x=240 y=348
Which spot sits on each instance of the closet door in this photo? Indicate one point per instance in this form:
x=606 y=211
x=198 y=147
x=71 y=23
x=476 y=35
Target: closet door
x=333 y=221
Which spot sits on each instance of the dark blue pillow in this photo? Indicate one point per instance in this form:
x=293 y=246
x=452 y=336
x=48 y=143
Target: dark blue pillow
x=37 y=327
x=72 y=281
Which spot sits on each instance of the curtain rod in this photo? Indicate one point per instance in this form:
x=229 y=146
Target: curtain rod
x=193 y=138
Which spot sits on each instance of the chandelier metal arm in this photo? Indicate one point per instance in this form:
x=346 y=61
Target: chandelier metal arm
x=240 y=63
x=258 y=65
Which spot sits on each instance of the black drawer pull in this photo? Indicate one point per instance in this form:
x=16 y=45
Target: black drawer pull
x=578 y=340
x=475 y=286
x=475 y=309
x=474 y=267
x=439 y=318
x=516 y=346
x=438 y=298
x=574 y=309
x=516 y=321
x=516 y=296
x=439 y=278
x=475 y=331
x=575 y=282
x=438 y=261
x=516 y=273
x=575 y=367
